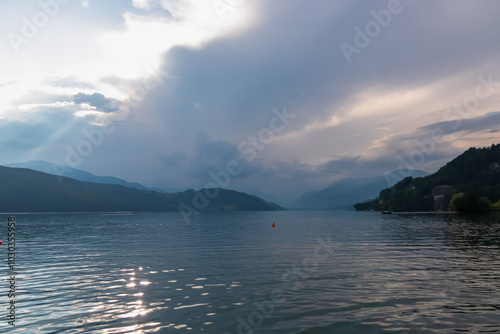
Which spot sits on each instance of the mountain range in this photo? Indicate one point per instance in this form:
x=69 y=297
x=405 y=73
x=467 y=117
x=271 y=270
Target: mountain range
x=32 y=187
x=340 y=195
x=343 y=194
x=476 y=171
x=27 y=190
x=81 y=175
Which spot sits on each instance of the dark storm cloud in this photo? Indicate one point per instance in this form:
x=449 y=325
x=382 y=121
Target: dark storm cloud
x=175 y=160
x=228 y=87
x=425 y=42
x=211 y=155
x=238 y=79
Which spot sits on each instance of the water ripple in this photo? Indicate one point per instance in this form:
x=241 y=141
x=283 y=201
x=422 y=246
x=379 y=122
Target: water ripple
x=150 y=273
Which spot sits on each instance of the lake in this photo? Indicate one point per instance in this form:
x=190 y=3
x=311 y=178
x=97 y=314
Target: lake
x=232 y=272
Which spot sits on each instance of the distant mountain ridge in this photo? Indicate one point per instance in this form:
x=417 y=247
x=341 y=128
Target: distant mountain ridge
x=26 y=190
x=477 y=170
x=343 y=194
x=80 y=175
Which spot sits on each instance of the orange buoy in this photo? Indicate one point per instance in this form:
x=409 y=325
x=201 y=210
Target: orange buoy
x=273 y=225
x=1 y=242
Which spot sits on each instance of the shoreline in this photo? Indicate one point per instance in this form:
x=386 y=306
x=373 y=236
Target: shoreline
x=440 y=212
x=423 y=212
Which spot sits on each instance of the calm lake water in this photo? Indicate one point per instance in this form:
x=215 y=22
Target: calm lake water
x=315 y=272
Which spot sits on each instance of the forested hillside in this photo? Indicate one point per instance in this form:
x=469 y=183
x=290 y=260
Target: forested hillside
x=26 y=190
x=475 y=172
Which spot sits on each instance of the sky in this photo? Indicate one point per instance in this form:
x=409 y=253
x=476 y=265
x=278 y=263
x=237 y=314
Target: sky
x=274 y=98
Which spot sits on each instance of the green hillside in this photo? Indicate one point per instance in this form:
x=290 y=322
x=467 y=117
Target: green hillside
x=476 y=172
x=26 y=190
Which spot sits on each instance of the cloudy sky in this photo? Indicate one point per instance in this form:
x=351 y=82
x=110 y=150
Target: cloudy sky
x=287 y=95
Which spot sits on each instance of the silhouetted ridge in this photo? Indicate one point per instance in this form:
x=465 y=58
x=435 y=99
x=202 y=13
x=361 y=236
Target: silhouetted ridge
x=26 y=190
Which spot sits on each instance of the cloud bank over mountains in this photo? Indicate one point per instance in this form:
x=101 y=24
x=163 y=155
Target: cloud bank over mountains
x=181 y=86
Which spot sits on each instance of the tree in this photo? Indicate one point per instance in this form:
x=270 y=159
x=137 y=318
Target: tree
x=456 y=203
x=470 y=202
x=484 y=204
x=474 y=175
